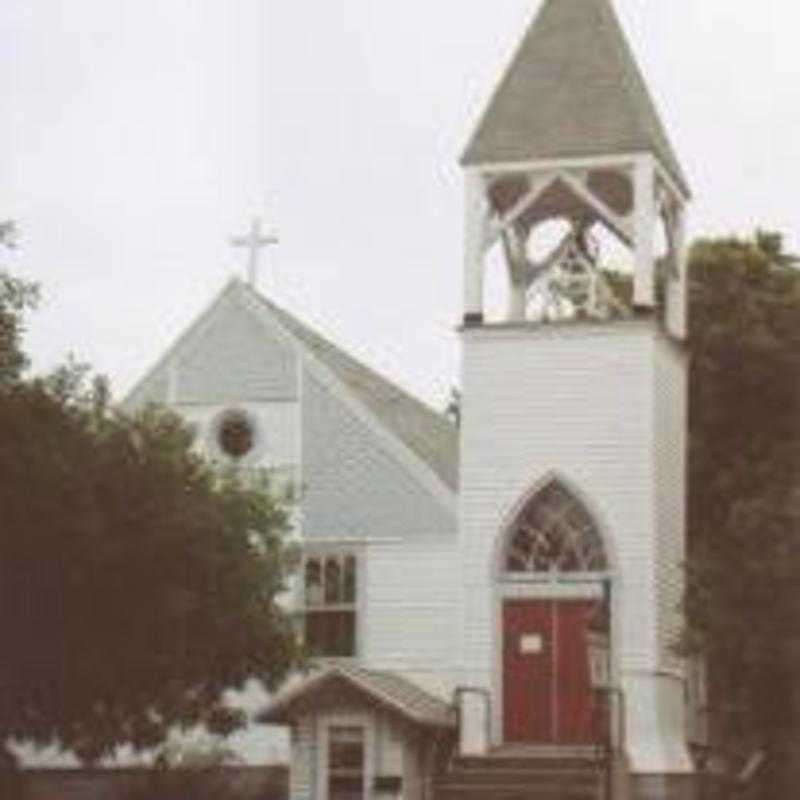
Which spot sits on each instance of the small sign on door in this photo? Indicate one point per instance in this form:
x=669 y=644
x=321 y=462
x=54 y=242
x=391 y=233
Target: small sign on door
x=531 y=644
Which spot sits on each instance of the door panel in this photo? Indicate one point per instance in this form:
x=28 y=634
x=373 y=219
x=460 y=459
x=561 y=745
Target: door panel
x=575 y=721
x=547 y=696
x=528 y=671
x=346 y=765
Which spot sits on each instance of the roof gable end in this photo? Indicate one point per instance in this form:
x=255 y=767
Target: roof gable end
x=425 y=433
x=428 y=434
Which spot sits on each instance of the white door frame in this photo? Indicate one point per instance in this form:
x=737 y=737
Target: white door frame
x=559 y=586
x=354 y=719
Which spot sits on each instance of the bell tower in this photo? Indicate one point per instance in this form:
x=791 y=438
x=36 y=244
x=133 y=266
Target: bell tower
x=571 y=132
x=576 y=398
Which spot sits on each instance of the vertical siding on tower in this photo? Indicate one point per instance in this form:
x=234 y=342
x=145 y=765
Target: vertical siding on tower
x=576 y=401
x=671 y=419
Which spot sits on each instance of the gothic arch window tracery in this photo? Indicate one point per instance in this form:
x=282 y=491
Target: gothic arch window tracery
x=554 y=532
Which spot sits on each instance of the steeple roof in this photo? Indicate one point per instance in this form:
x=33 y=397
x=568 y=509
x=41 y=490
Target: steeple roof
x=573 y=90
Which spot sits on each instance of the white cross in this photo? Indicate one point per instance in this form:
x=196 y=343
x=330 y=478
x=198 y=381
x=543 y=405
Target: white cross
x=254 y=240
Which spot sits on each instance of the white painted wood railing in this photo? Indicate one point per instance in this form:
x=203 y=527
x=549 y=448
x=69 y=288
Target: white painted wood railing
x=474 y=707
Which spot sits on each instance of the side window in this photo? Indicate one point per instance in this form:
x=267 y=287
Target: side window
x=330 y=583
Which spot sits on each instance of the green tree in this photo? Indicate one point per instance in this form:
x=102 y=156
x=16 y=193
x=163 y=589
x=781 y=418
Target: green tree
x=16 y=296
x=137 y=585
x=744 y=484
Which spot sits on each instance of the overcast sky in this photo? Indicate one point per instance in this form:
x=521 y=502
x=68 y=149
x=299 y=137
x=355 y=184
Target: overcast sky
x=138 y=135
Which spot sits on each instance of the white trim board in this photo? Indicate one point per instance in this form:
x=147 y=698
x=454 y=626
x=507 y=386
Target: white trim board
x=353 y=720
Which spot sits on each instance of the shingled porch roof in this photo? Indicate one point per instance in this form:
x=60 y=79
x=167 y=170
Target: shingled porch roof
x=385 y=689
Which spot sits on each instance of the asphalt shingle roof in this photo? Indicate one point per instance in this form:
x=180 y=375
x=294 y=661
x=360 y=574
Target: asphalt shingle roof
x=385 y=688
x=426 y=432
x=573 y=90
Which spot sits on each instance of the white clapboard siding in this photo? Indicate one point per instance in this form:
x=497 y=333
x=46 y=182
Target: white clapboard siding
x=302 y=769
x=226 y=356
x=575 y=402
x=277 y=430
x=599 y=406
x=411 y=610
x=234 y=359
x=670 y=457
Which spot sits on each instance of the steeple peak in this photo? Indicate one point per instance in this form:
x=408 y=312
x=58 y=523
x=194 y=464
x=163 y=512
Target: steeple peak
x=573 y=90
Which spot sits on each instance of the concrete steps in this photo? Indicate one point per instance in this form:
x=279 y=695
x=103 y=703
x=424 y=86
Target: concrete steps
x=514 y=775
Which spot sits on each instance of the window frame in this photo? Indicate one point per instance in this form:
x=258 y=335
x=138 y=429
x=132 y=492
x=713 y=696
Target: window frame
x=566 y=521
x=327 y=722
x=321 y=606
x=359 y=738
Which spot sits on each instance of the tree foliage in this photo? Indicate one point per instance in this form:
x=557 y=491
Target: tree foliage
x=16 y=297
x=137 y=584
x=744 y=485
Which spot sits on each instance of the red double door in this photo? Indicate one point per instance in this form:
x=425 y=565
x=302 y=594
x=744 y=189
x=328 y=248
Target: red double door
x=547 y=694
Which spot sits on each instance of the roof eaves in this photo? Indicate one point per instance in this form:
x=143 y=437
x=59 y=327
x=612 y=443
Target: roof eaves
x=638 y=90
x=379 y=396
x=650 y=134
x=468 y=156
x=280 y=709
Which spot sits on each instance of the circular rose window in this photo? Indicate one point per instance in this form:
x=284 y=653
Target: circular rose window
x=236 y=435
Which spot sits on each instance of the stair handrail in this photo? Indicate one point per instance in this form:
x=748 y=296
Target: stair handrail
x=614 y=736
x=618 y=710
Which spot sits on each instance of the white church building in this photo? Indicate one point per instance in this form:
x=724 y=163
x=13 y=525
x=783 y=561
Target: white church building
x=491 y=605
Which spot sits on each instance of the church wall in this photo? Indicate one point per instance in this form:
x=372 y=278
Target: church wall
x=412 y=613
x=226 y=356
x=353 y=485
x=234 y=358
x=593 y=427
x=671 y=419
x=277 y=431
x=579 y=401
x=154 y=390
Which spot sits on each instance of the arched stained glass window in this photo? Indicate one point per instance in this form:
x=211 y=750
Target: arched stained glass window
x=554 y=533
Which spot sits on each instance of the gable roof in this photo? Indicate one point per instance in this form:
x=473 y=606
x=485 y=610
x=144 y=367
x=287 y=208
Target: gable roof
x=386 y=689
x=427 y=433
x=573 y=90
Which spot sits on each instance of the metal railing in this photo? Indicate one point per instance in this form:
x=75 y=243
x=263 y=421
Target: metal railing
x=611 y=733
